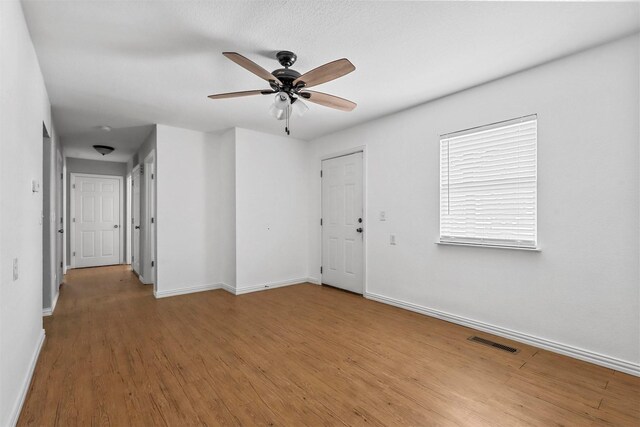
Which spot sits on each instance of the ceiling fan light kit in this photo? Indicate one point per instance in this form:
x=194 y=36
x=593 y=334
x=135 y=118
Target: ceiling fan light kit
x=290 y=86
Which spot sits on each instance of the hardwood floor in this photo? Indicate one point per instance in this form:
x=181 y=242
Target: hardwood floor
x=299 y=355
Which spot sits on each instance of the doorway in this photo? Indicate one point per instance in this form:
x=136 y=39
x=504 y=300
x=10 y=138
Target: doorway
x=150 y=219
x=343 y=222
x=96 y=232
x=48 y=224
x=52 y=228
x=59 y=209
x=135 y=220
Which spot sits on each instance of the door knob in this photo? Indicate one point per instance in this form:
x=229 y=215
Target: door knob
x=359 y=230
x=137 y=227
x=115 y=226
x=61 y=231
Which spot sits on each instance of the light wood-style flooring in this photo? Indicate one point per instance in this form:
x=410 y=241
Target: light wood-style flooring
x=294 y=356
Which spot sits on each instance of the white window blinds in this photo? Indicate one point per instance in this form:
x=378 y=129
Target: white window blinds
x=488 y=185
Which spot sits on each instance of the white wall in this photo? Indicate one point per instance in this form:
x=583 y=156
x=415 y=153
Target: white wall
x=245 y=227
x=582 y=290
x=187 y=226
x=227 y=207
x=271 y=210
x=24 y=106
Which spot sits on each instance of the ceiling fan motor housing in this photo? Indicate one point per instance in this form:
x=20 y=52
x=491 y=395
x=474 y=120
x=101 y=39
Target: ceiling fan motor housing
x=286 y=75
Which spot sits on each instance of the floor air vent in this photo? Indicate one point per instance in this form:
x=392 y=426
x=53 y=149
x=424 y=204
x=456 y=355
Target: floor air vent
x=493 y=344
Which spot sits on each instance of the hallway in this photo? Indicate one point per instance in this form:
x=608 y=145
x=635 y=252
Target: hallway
x=305 y=354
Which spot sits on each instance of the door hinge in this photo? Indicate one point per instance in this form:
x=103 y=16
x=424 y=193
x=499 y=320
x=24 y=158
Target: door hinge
x=132 y=258
x=153 y=220
x=61 y=176
x=321 y=222
x=153 y=263
x=60 y=264
x=320 y=269
x=74 y=220
x=73 y=186
x=153 y=176
x=321 y=174
x=74 y=254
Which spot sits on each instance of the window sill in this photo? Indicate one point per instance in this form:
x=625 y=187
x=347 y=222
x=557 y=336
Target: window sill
x=536 y=249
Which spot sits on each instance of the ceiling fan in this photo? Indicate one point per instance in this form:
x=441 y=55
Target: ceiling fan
x=290 y=86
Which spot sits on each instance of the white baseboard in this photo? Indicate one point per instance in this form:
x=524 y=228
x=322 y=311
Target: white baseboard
x=64 y=271
x=239 y=290
x=184 y=291
x=144 y=282
x=49 y=311
x=17 y=407
x=314 y=280
x=556 y=347
x=55 y=301
x=228 y=288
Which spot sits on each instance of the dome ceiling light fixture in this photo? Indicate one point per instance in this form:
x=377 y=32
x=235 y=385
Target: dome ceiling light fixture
x=290 y=86
x=103 y=149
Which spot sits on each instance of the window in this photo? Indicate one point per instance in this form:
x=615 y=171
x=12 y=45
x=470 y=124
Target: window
x=488 y=185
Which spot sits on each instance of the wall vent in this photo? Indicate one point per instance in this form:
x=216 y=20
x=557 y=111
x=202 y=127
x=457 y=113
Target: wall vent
x=493 y=344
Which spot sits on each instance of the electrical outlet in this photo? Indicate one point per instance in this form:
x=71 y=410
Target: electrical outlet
x=35 y=186
x=392 y=239
x=15 y=269
x=383 y=216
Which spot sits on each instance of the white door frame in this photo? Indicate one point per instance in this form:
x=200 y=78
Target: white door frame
x=135 y=175
x=65 y=213
x=150 y=212
x=360 y=149
x=73 y=212
x=59 y=195
x=128 y=216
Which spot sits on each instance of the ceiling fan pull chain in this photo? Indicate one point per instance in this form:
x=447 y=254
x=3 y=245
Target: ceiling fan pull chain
x=286 y=128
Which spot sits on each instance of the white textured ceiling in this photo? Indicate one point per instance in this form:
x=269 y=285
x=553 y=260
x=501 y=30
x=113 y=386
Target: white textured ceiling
x=130 y=64
x=125 y=140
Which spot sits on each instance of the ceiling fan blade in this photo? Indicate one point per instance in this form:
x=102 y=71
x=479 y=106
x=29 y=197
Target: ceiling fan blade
x=325 y=73
x=248 y=64
x=327 y=100
x=239 y=94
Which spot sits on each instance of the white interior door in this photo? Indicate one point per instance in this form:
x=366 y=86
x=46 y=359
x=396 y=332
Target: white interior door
x=135 y=219
x=150 y=220
x=59 y=217
x=342 y=223
x=96 y=220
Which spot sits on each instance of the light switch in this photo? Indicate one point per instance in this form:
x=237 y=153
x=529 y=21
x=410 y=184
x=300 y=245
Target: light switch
x=35 y=185
x=383 y=216
x=15 y=269
x=392 y=239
